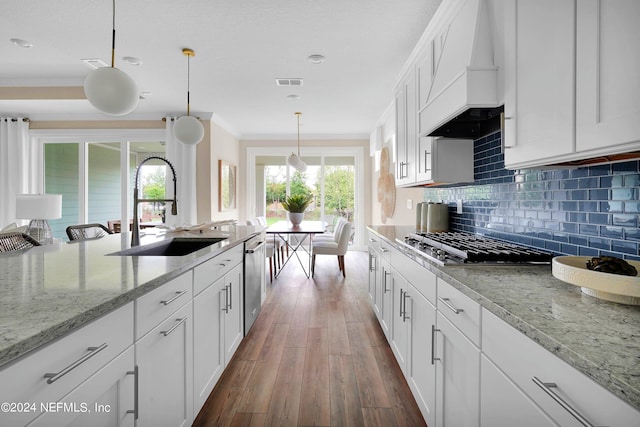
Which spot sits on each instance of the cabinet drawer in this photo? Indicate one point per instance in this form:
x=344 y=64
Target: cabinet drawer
x=422 y=279
x=461 y=310
x=208 y=272
x=69 y=358
x=154 y=307
x=373 y=241
x=522 y=360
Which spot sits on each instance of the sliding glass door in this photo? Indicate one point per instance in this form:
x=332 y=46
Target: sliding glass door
x=331 y=178
x=95 y=175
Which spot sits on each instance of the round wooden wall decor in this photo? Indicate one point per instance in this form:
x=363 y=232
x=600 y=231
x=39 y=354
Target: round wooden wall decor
x=386 y=187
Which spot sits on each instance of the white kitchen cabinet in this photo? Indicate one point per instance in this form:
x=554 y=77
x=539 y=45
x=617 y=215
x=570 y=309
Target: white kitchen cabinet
x=399 y=326
x=557 y=388
x=607 y=84
x=233 y=319
x=385 y=297
x=421 y=371
x=406 y=130
x=571 y=90
x=502 y=403
x=106 y=399
x=374 y=275
x=443 y=160
x=217 y=325
x=164 y=358
x=208 y=331
x=457 y=377
x=539 y=81
x=52 y=372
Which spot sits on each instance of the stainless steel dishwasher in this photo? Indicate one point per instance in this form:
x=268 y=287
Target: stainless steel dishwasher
x=254 y=279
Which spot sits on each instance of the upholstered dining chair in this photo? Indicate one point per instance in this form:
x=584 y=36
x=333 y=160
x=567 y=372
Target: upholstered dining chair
x=338 y=246
x=16 y=241
x=330 y=235
x=87 y=231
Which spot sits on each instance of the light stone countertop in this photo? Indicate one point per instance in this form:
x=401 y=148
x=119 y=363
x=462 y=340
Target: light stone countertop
x=48 y=291
x=599 y=338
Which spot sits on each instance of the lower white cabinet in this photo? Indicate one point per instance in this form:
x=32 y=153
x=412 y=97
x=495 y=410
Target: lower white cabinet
x=106 y=399
x=81 y=360
x=233 y=313
x=568 y=397
x=502 y=403
x=421 y=369
x=457 y=377
x=385 y=298
x=217 y=332
x=165 y=368
x=399 y=326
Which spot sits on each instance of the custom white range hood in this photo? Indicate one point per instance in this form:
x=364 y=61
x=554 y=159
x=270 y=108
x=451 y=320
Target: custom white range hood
x=465 y=80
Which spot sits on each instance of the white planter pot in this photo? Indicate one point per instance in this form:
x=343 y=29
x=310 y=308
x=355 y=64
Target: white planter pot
x=295 y=217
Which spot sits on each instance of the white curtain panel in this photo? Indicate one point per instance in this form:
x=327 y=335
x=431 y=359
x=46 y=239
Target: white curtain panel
x=18 y=166
x=183 y=158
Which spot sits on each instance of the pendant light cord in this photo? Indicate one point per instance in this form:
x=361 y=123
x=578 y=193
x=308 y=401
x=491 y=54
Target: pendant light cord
x=188 y=84
x=298 y=114
x=113 y=37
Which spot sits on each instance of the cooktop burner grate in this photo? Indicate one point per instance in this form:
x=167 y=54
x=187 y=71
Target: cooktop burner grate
x=467 y=247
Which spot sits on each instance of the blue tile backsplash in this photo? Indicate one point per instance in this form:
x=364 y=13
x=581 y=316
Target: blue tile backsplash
x=587 y=211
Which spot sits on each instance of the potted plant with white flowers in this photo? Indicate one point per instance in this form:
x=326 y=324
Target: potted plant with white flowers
x=296 y=205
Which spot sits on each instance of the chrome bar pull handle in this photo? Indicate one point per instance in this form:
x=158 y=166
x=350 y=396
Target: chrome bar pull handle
x=134 y=411
x=386 y=273
x=178 y=295
x=401 y=300
x=55 y=376
x=226 y=298
x=547 y=388
x=174 y=327
x=404 y=315
x=433 y=344
x=230 y=297
x=446 y=302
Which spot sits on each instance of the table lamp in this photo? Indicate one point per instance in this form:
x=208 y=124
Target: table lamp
x=39 y=208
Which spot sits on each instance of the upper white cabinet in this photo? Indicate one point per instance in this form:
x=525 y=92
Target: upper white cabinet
x=607 y=83
x=539 y=89
x=406 y=131
x=570 y=87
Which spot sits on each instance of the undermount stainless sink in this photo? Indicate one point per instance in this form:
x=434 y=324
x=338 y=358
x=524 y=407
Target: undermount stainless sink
x=177 y=246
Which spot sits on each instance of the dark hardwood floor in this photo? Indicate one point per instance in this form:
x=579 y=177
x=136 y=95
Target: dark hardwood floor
x=316 y=356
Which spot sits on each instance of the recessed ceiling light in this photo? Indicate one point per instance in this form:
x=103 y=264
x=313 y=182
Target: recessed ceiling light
x=316 y=59
x=21 y=43
x=132 y=60
x=293 y=96
x=94 y=63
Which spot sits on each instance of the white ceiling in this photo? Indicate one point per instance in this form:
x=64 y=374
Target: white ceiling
x=241 y=47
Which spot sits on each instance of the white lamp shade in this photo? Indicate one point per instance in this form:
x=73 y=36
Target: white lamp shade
x=293 y=160
x=39 y=206
x=302 y=167
x=111 y=91
x=188 y=130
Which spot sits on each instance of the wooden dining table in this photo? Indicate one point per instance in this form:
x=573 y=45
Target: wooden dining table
x=285 y=231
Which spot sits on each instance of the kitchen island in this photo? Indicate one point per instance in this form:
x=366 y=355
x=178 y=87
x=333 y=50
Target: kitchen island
x=597 y=338
x=48 y=291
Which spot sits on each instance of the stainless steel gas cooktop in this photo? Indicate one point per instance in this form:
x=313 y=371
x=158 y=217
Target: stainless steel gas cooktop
x=457 y=248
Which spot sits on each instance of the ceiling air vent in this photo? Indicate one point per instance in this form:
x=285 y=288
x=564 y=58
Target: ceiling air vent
x=289 y=82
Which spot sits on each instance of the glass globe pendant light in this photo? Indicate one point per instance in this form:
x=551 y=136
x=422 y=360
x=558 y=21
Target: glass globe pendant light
x=294 y=159
x=109 y=89
x=188 y=129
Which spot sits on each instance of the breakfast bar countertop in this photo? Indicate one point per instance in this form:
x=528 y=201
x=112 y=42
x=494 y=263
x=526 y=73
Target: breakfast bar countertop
x=599 y=338
x=49 y=291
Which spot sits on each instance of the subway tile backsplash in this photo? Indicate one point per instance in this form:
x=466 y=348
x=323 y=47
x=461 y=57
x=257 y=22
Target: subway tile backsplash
x=586 y=211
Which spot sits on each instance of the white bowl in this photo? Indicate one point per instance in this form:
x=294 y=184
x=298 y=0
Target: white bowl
x=607 y=286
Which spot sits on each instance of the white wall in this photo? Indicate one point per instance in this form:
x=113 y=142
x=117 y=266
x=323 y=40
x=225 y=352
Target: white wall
x=402 y=214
